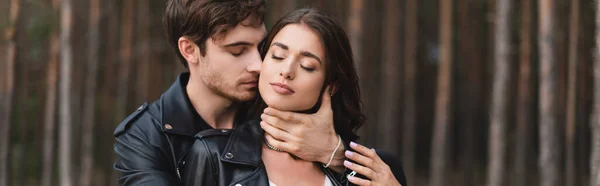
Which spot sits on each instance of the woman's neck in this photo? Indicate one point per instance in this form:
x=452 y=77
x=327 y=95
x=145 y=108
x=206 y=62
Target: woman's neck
x=285 y=169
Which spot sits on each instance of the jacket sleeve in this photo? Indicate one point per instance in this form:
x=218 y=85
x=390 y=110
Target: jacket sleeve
x=141 y=163
x=395 y=165
x=200 y=167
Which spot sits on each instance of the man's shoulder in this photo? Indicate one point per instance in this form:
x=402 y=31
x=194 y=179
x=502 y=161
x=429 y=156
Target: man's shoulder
x=141 y=120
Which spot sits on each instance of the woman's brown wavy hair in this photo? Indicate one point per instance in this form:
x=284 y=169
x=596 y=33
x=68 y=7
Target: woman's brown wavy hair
x=339 y=65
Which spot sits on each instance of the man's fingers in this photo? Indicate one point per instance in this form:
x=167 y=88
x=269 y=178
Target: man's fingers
x=275 y=132
x=274 y=121
x=325 y=101
x=283 y=115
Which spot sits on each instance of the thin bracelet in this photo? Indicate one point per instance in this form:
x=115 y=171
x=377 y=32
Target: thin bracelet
x=333 y=153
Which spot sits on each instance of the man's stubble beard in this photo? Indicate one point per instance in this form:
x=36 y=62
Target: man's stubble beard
x=216 y=83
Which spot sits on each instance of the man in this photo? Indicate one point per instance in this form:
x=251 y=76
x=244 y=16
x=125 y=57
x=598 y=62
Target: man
x=218 y=42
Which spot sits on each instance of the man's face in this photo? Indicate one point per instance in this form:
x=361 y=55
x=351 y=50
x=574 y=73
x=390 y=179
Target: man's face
x=231 y=64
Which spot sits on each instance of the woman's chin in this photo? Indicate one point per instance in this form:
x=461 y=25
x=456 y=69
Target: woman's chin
x=283 y=106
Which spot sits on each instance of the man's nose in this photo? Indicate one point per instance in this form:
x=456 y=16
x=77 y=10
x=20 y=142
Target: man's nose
x=255 y=63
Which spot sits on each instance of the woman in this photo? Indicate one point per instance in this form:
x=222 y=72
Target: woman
x=307 y=58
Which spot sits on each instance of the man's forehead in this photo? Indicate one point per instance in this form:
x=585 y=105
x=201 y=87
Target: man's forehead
x=242 y=33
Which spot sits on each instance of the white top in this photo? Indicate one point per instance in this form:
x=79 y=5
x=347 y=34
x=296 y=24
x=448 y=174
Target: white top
x=327 y=182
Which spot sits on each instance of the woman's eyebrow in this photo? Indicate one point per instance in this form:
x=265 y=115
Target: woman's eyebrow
x=311 y=55
x=285 y=47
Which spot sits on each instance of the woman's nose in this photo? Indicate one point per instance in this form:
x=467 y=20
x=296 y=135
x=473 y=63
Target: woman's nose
x=287 y=72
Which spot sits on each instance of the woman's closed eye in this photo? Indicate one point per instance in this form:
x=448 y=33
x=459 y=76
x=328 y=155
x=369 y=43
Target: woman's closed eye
x=276 y=57
x=309 y=69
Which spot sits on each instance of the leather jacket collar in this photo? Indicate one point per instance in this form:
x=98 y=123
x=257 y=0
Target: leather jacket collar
x=178 y=114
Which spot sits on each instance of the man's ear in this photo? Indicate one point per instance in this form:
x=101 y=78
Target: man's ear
x=188 y=48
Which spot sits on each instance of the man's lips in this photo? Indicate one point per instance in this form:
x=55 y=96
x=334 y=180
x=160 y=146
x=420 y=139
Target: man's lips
x=251 y=83
x=282 y=88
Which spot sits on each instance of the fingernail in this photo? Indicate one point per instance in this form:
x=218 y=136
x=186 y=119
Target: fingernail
x=350 y=178
x=349 y=153
x=347 y=163
x=262 y=116
x=352 y=144
x=266 y=111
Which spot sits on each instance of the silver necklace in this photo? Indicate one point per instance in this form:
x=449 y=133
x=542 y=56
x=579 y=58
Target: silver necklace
x=271 y=146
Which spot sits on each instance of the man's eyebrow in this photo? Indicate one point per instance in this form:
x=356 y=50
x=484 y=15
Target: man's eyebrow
x=285 y=47
x=311 y=55
x=239 y=43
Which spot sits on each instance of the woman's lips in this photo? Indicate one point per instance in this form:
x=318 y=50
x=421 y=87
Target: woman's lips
x=282 y=88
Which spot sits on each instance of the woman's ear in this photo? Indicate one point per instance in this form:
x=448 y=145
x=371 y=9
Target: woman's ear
x=333 y=88
x=188 y=48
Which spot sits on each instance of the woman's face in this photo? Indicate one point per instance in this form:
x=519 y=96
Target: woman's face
x=293 y=71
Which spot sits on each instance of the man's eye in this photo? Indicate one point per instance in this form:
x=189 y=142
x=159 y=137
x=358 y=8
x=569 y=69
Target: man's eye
x=276 y=58
x=239 y=53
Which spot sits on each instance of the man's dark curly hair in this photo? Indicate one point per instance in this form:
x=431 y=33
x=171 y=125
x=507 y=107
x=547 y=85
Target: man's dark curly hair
x=199 y=20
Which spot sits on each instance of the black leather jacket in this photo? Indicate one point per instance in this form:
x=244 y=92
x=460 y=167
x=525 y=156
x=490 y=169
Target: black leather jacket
x=151 y=143
x=233 y=157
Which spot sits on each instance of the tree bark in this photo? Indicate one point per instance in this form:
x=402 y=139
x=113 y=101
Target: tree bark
x=355 y=32
x=524 y=104
x=499 y=107
x=443 y=98
x=571 y=109
x=11 y=52
x=66 y=20
x=355 y=24
x=87 y=159
x=146 y=56
x=125 y=58
x=410 y=81
x=49 y=113
x=392 y=74
x=595 y=125
x=549 y=146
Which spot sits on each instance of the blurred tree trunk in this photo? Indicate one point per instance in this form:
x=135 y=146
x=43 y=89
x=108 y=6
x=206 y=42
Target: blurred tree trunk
x=391 y=69
x=49 y=113
x=410 y=80
x=146 y=56
x=571 y=172
x=108 y=104
x=549 y=147
x=87 y=159
x=23 y=68
x=524 y=103
x=65 y=160
x=442 y=115
x=499 y=107
x=595 y=124
x=11 y=54
x=355 y=31
x=279 y=8
x=355 y=35
x=125 y=58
